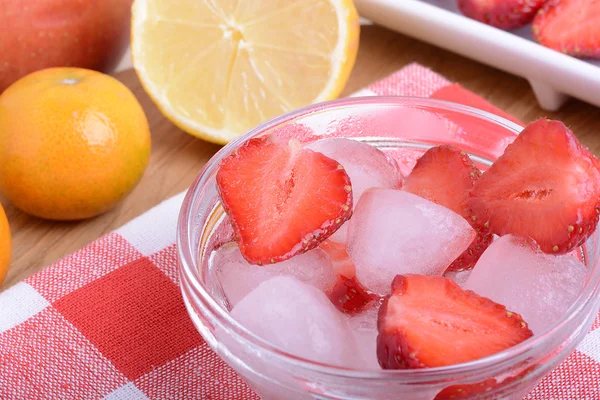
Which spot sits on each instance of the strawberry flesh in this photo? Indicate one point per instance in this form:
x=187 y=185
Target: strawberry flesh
x=569 y=26
x=466 y=391
x=340 y=260
x=546 y=186
x=470 y=391
x=503 y=14
x=470 y=256
x=429 y=321
x=445 y=175
x=282 y=200
x=350 y=296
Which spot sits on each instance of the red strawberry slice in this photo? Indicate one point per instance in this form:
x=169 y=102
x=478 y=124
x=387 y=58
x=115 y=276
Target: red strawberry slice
x=445 y=175
x=469 y=257
x=282 y=200
x=569 y=26
x=503 y=14
x=429 y=321
x=466 y=391
x=470 y=391
x=350 y=296
x=342 y=264
x=546 y=186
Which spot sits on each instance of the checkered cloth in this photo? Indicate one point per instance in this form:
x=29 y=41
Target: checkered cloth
x=108 y=321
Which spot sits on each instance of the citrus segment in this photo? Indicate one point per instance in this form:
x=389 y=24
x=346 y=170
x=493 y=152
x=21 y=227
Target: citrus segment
x=257 y=104
x=174 y=40
x=280 y=70
x=248 y=10
x=194 y=12
x=286 y=28
x=202 y=99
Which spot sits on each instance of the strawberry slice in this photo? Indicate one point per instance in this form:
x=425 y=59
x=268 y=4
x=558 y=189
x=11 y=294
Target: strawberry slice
x=429 y=321
x=503 y=14
x=350 y=296
x=340 y=260
x=282 y=200
x=470 y=391
x=470 y=256
x=445 y=175
x=569 y=26
x=546 y=186
x=466 y=391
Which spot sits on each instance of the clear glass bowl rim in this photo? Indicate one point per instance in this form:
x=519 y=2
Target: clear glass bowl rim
x=189 y=272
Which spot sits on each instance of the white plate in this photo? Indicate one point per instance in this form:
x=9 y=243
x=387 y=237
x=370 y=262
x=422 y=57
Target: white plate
x=553 y=76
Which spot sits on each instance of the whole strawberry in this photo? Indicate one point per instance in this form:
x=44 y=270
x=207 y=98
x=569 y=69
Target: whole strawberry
x=570 y=26
x=503 y=14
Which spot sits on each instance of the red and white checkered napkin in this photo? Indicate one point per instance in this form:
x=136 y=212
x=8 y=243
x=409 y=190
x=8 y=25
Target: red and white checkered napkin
x=108 y=322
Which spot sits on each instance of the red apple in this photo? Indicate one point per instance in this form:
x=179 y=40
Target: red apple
x=56 y=33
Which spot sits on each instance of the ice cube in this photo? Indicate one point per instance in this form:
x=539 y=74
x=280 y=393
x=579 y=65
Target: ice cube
x=460 y=277
x=540 y=287
x=299 y=319
x=366 y=166
x=364 y=329
x=340 y=261
x=394 y=232
x=406 y=157
x=238 y=277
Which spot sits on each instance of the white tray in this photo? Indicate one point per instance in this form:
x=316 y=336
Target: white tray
x=553 y=76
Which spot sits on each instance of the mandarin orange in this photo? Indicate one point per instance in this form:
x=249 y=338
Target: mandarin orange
x=73 y=142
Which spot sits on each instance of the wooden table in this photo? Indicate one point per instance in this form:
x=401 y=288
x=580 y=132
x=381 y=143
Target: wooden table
x=177 y=157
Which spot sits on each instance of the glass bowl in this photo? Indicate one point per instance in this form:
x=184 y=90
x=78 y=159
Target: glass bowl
x=404 y=128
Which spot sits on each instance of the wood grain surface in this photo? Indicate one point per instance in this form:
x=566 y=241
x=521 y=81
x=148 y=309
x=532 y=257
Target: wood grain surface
x=177 y=157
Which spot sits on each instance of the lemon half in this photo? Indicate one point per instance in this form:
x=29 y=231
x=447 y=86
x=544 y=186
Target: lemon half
x=217 y=68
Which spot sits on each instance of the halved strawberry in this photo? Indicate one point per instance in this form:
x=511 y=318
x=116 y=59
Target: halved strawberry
x=476 y=390
x=445 y=175
x=429 y=321
x=503 y=14
x=282 y=200
x=546 y=186
x=466 y=391
x=569 y=26
x=340 y=260
x=470 y=256
x=349 y=296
